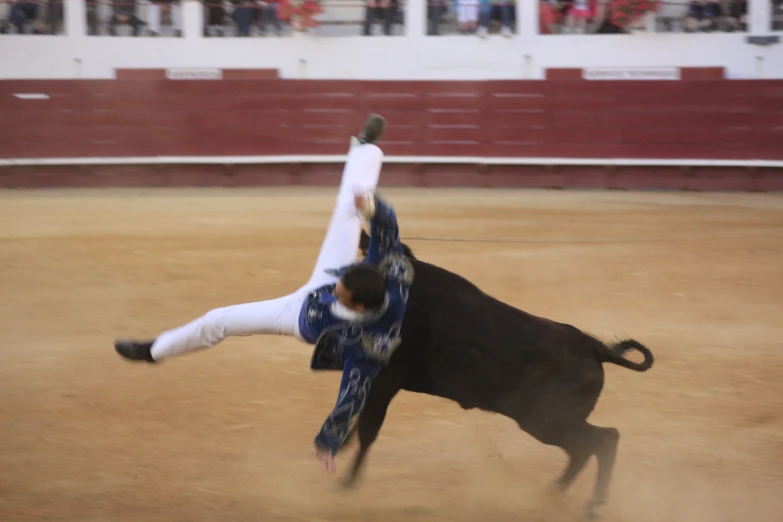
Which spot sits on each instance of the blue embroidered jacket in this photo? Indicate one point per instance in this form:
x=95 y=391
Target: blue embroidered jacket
x=361 y=347
x=376 y=334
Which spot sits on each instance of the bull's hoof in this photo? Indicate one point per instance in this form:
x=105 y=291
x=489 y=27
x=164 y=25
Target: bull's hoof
x=348 y=482
x=593 y=512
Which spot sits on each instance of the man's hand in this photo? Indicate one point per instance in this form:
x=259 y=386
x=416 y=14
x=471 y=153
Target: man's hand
x=326 y=458
x=365 y=203
x=360 y=201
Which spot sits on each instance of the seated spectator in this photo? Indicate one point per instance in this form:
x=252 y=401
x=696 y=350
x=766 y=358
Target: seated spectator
x=549 y=17
x=580 y=12
x=54 y=16
x=670 y=16
x=602 y=22
x=20 y=15
x=383 y=9
x=703 y=15
x=17 y=16
x=155 y=12
x=486 y=7
x=39 y=28
x=125 y=14
x=215 y=18
x=435 y=11
x=91 y=8
x=467 y=15
x=738 y=16
x=269 y=11
x=243 y=17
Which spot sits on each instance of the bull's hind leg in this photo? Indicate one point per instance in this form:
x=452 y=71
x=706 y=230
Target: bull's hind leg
x=580 y=443
x=605 y=449
x=579 y=449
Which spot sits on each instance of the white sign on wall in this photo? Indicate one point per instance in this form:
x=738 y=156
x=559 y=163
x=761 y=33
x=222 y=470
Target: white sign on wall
x=631 y=73
x=194 y=74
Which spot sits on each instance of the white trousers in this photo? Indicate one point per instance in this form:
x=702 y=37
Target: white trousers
x=281 y=316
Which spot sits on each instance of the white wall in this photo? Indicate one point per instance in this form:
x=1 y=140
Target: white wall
x=413 y=56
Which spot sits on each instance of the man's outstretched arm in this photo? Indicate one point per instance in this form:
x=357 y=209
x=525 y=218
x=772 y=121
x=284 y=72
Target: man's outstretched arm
x=384 y=230
x=354 y=388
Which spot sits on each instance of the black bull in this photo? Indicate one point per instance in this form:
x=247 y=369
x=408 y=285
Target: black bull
x=464 y=345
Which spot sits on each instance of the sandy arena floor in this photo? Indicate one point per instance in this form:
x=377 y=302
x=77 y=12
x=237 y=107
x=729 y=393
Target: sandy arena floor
x=226 y=434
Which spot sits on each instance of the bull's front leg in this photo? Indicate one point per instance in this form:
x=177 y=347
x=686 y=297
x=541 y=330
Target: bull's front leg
x=371 y=419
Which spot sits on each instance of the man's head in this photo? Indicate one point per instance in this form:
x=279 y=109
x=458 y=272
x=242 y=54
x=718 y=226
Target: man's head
x=374 y=127
x=362 y=287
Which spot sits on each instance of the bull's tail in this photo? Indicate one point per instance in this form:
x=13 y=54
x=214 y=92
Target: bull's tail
x=616 y=354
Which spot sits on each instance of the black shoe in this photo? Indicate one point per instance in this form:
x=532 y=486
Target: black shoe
x=135 y=350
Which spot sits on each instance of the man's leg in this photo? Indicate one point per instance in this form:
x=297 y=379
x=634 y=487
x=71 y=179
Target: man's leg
x=279 y=316
x=274 y=317
x=360 y=175
x=342 y=236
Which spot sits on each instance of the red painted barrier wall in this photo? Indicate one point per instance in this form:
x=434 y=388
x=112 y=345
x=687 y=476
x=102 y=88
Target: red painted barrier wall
x=700 y=119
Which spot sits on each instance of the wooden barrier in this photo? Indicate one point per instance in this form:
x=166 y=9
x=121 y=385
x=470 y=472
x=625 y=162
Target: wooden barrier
x=702 y=119
x=141 y=118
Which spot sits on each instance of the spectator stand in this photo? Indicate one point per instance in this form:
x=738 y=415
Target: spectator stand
x=33 y=17
x=472 y=17
x=341 y=18
x=243 y=18
x=359 y=17
x=134 y=18
x=387 y=17
x=690 y=16
x=777 y=15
